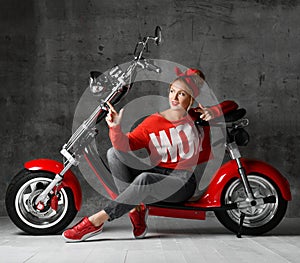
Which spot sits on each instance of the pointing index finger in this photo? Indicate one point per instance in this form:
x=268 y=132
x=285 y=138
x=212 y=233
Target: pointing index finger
x=111 y=106
x=201 y=106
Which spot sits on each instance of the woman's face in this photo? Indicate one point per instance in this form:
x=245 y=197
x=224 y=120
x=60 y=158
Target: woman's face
x=179 y=96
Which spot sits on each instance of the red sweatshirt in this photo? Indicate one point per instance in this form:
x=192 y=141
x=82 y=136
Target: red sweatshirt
x=175 y=145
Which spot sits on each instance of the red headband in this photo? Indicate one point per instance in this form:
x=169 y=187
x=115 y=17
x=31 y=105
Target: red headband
x=186 y=76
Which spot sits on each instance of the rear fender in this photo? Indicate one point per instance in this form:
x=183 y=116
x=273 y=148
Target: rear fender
x=69 y=181
x=229 y=171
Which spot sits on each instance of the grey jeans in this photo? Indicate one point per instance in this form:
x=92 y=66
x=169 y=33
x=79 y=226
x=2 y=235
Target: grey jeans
x=145 y=186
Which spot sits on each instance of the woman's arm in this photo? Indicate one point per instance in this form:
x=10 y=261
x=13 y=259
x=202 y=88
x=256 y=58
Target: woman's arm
x=131 y=141
x=223 y=108
x=120 y=141
x=215 y=111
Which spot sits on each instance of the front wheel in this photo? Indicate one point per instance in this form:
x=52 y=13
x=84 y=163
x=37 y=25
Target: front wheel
x=22 y=210
x=258 y=219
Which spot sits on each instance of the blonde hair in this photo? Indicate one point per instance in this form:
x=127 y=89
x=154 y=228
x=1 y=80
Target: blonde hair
x=199 y=81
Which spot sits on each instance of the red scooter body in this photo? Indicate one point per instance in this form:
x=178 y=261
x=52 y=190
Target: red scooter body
x=69 y=181
x=228 y=171
x=210 y=200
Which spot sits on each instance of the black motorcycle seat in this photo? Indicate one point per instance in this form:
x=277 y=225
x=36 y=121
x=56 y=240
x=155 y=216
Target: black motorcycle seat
x=235 y=115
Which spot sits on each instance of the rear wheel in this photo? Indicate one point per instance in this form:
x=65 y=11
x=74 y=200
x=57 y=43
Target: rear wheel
x=22 y=210
x=258 y=219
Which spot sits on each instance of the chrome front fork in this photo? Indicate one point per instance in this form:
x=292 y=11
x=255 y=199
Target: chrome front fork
x=236 y=155
x=43 y=198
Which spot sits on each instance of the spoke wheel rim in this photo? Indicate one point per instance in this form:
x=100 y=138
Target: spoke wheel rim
x=27 y=212
x=255 y=216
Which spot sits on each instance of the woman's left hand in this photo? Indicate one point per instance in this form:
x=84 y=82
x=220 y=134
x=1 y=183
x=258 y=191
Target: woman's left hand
x=207 y=113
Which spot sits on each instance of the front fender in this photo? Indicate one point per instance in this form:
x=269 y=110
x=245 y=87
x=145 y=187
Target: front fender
x=229 y=171
x=69 y=181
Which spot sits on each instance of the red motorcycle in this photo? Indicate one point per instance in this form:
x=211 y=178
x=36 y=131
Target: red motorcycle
x=247 y=196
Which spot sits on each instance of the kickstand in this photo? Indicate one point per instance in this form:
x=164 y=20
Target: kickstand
x=239 y=233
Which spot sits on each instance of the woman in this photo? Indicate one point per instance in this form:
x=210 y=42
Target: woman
x=174 y=147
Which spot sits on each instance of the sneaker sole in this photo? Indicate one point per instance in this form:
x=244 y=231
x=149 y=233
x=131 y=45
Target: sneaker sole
x=86 y=236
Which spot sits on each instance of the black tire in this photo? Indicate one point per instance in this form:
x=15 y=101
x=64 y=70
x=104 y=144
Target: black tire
x=19 y=200
x=258 y=220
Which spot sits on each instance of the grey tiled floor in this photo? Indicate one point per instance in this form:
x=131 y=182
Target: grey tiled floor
x=168 y=240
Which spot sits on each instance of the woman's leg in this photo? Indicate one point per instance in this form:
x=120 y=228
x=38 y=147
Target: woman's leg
x=121 y=173
x=149 y=187
x=123 y=176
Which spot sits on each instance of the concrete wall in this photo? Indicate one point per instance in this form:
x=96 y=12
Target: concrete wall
x=248 y=49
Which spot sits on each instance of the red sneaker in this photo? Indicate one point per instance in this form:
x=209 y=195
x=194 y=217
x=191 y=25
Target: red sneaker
x=138 y=220
x=81 y=231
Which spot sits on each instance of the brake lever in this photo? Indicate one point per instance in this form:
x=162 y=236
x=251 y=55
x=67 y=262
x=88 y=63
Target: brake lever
x=150 y=66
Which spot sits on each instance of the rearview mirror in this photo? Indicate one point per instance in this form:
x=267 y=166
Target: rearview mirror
x=158 y=35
